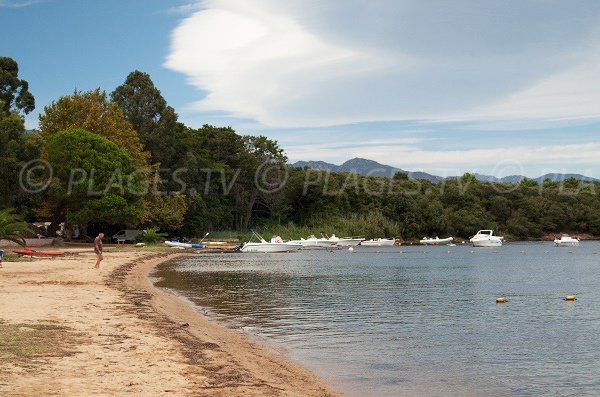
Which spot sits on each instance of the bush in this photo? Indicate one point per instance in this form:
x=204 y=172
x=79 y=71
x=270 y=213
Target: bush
x=152 y=236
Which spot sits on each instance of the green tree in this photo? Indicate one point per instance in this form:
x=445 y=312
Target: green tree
x=94 y=180
x=13 y=227
x=147 y=111
x=92 y=111
x=14 y=92
x=15 y=100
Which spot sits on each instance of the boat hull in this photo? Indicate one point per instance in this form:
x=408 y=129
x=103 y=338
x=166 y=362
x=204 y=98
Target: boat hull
x=270 y=247
x=439 y=241
x=348 y=242
x=378 y=243
x=558 y=243
x=487 y=243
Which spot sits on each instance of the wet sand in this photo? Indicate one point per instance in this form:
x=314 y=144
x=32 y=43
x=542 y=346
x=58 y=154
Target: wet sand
x=67 y=329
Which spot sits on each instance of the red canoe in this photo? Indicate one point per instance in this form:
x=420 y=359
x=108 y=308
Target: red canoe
x=29 y=252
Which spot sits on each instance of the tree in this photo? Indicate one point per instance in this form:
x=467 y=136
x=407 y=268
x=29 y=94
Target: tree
x=15 y=99
x=164 y=212
x=91 y=111
x=401 y=176
x=94 y=180
x=14 y=92
x=13 y=227
x=147 y=111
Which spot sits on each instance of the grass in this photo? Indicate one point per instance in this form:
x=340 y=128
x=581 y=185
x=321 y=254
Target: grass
x=20 y=344
x=11 y=258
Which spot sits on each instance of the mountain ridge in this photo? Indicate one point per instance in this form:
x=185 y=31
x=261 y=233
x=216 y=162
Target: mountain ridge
x=363 y=166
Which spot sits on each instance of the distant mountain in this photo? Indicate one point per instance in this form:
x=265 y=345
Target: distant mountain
x=364 y=167
x=373 y=168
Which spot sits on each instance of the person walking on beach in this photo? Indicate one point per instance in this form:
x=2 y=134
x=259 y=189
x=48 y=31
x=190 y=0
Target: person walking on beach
x=98 y=250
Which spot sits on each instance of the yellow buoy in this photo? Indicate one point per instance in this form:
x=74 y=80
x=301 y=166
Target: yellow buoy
x=500 y=299
x=570 y=298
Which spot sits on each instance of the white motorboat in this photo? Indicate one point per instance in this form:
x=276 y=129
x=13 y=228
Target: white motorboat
x=276 y=245
x=313 y=242
x=486 y=238
x=566 y=241
x=379 y=242
x=345 y=241
x=436 y=241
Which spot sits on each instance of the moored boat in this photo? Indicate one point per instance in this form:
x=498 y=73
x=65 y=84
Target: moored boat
x=345 y=241
x=436 y=241
x=379 y=242
x=486 y=238
x=275 y=245
x=313 y=242
x=566 y=241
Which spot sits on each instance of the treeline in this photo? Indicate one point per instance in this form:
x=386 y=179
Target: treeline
x=108 y=161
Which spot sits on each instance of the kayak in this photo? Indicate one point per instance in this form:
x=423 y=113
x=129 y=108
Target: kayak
x=41 y=253
x=177 y=244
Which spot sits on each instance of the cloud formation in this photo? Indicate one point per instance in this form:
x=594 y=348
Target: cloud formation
x=313 y=63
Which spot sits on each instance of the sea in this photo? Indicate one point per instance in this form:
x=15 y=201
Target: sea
x=414 y=320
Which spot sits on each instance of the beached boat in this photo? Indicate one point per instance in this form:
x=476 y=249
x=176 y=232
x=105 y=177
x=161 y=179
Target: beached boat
x=566 y=241
x=486 y=238
x=436 y=241
x=179 y=245
x=28 y=252
x=313 y=242
x=379 y=242
x=276 y=245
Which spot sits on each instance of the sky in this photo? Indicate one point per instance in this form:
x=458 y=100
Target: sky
x=494 y=87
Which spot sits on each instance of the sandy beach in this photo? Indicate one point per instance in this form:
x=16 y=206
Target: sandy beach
x=69 y=330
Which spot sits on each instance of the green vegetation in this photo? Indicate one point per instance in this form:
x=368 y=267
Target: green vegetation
x=147 y=170
x=13 y=227
x=152 y=236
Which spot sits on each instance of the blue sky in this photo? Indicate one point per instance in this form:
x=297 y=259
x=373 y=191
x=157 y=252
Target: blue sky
x=444 y=87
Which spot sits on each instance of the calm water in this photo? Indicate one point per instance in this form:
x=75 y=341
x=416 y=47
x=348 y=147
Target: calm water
x=378 y=322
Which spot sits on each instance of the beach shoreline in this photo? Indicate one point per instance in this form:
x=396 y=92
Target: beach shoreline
x=114 y=332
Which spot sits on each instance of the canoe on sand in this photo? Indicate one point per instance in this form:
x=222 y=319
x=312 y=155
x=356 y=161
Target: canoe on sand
x=29 y=252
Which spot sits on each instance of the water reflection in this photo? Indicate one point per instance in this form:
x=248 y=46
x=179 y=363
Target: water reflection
x=415 y=323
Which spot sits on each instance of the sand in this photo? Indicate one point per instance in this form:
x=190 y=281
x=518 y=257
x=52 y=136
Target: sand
x=69 y=330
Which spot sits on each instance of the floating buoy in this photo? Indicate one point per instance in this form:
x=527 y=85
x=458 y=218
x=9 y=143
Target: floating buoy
x=522 y=252
x=331 y=251
x=500 y=299
x=351 y=249
x=570 y=298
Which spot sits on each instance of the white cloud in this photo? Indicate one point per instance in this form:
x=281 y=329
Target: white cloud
x=18 y=4
x=308 y=63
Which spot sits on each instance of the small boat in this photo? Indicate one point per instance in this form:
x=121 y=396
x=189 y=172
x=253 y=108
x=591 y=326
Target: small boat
x=28 y=252
x=486 y=238
x=313 y=242
x=179 y=245
x=379 y=242
x=566 y=241
x=276 y=245
x=436 y=241
x=344 y=241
